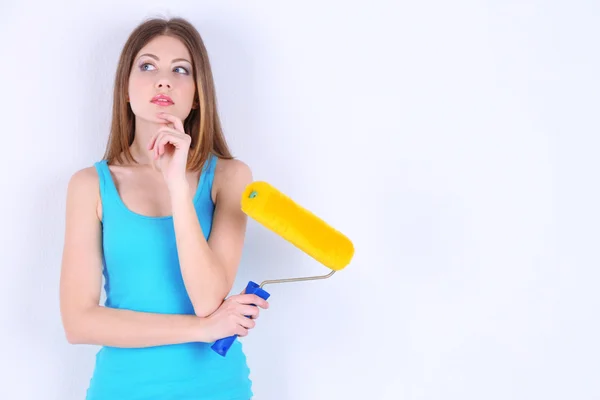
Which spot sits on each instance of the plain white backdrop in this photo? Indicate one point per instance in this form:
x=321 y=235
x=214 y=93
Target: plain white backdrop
x=454 y=142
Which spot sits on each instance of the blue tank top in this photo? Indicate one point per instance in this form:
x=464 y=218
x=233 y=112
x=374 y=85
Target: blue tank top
x=141 y=273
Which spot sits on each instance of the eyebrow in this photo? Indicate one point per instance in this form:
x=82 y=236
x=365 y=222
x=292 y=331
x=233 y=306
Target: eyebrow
x=158 y=59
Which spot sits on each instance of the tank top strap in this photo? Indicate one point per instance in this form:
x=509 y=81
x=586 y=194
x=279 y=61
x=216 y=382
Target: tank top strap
x=210 y=170
x=206 y=179
x=108 y=190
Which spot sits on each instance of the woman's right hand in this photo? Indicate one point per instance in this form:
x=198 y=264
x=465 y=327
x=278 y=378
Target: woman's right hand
x=230 y=318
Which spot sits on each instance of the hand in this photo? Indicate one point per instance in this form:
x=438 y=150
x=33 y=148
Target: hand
x=230 y=318
x=170 y=146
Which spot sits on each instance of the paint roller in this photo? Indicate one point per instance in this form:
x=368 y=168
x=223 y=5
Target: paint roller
x=299 y=226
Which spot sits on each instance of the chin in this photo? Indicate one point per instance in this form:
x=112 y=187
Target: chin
x=150 y=114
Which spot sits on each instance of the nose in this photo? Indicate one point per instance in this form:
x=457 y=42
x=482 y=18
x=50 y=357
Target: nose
x=163 y=83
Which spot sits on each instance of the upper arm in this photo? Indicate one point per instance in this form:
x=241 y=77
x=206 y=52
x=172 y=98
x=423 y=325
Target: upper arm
x=81 y=269
x=229 y=221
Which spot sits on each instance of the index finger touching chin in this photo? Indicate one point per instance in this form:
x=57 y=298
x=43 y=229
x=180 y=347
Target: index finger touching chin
x=177 y=124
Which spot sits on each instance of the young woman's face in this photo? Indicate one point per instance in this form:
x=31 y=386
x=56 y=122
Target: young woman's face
x=162 y=68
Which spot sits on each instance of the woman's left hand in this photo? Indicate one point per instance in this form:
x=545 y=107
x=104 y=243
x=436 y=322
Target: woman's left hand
x=170 y=147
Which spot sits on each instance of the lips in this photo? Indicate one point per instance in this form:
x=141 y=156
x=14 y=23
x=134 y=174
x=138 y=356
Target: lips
x=162 y=100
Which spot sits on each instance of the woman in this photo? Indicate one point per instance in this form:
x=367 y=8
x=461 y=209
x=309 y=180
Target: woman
x=141 y=217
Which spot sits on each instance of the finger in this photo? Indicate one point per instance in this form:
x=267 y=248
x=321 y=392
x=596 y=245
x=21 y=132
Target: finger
x=162 y=139
x=250 y=311
x=252 y=299
x=156 y=144
x=174 y=120
x=247 y=323
x=176 y=135
x=160 y=143
x=166 y=138
x=171 y=131
x=152 y=141
x=241 y=331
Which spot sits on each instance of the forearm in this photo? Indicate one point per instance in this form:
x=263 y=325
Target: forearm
x=106 y=326
x=205 y=279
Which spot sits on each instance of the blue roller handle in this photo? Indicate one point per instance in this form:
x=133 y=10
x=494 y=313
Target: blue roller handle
x=221 y=346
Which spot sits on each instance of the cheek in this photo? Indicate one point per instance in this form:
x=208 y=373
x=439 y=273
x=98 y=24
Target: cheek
x=188 y=89
x=139 y=94
x=136 y=86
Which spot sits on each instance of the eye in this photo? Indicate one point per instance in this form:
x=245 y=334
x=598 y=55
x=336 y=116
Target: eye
x=185 y=71
x=144 y=65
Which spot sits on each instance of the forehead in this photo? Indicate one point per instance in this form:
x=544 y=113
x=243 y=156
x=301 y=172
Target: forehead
x=166 y=48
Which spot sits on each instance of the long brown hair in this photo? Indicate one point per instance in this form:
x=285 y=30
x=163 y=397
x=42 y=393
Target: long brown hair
x=203 y=123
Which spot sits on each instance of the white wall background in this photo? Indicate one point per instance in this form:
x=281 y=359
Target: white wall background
x=469 y=185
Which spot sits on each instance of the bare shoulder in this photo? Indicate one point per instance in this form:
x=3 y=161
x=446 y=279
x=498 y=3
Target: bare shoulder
x=231 y=177
x=83 y=180
x=83 y=189
x=84 y=177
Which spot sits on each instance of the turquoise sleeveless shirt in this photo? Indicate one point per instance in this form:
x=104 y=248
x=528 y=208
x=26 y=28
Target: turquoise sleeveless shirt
x=141 y=271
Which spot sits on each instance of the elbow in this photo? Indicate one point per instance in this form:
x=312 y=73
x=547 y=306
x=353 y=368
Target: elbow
x=206 y=302
x=74 y=327
x=204 y=311
x=73 y=338
x=73 y=334
x=205 y=308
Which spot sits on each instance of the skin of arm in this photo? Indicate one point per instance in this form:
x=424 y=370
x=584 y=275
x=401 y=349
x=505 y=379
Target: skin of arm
x=84 y=320
x=209 y=266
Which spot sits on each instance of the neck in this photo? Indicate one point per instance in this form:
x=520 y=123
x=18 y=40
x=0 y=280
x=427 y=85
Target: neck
x=144 y=130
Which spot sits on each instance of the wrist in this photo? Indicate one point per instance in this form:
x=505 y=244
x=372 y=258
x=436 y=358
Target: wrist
x=179 y=190
x=200 y=331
